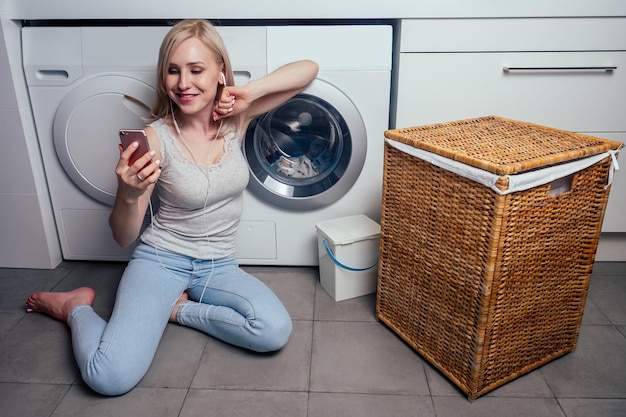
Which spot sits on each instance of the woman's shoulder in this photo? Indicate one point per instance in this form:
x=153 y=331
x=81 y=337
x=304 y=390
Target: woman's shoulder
x=233 y=133
x=159 y=126
x=158 y=133
x=232 y=136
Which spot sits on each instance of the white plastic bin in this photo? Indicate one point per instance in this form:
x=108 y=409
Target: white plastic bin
x=348 y=252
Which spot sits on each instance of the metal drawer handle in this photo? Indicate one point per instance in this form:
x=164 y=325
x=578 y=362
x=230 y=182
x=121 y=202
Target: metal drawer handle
x=567 y=69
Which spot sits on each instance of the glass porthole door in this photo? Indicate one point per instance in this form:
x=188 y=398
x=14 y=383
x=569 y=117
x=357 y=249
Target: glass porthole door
x=308 y=152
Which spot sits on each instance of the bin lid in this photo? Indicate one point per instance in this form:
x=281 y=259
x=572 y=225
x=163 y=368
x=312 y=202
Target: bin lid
x=502 y=146
x=346 y=230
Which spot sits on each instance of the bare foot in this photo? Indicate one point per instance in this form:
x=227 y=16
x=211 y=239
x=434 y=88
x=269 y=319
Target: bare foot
x=183 y=297
x=59 y=304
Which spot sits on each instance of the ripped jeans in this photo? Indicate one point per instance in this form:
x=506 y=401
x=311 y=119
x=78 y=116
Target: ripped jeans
x=224 y=302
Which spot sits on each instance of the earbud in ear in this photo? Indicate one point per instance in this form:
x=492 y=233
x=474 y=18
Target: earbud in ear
x=223 y=78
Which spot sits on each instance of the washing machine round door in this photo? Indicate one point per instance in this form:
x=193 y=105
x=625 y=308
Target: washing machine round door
x=308 y=152
x=86 y=127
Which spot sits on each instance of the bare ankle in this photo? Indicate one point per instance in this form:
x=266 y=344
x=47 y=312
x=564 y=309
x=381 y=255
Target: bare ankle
x=181 y=300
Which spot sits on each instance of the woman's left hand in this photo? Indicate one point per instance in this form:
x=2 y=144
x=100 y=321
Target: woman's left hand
x=226 y=104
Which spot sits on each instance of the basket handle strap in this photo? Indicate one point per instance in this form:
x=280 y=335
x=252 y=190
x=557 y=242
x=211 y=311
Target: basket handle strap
x=339 y=264
x=614 y=166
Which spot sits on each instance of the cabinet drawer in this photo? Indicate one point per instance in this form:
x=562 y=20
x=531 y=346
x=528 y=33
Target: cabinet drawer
x=553 y=89
x=511 y=35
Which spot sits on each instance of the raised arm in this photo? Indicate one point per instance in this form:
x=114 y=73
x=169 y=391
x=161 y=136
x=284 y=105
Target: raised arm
x=263 y=94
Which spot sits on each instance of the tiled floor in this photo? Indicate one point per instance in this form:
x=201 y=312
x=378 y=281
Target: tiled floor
x=339 y=361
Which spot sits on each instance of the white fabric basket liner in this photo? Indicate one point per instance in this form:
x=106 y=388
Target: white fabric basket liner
x=517 y=182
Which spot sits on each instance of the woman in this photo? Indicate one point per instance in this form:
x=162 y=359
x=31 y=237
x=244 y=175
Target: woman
x=184 y=268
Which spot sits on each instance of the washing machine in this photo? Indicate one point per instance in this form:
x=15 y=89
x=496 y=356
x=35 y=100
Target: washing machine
x=87 y=82
x=320 y=155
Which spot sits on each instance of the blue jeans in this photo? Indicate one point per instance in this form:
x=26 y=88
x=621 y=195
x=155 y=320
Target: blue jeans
x=224 y=302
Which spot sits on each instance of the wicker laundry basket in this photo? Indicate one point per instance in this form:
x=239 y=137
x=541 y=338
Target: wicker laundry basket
x=484 y=283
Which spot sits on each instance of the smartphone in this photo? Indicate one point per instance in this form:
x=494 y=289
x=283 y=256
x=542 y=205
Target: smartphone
x=128 y=136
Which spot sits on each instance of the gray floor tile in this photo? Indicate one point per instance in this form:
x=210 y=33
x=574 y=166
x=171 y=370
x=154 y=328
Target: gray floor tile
x=226 y=367
x=153 y=402
x=295 y=286
x=369 y=405
x=17 y=284
x=609 y=293
x=362 y=357
x=8 y=320
x=593 y=315
x=38 y=350
x=497 y=406
x=609 y=268
x=354 y=309
x=594 y=370
x=244 y=404
x=30 y=400
x=439 y=384
x=177 y=358
x=593 y=408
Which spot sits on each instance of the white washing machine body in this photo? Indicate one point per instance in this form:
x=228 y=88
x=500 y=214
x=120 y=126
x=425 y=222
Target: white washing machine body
x=278 y=223
x=85 y=83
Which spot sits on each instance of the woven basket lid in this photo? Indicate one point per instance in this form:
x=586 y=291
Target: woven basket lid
x=502 y=146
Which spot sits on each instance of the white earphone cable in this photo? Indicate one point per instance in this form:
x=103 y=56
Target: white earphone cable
x=206 y=202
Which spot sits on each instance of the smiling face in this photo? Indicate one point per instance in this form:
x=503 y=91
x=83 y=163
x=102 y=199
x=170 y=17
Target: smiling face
x=192 y=77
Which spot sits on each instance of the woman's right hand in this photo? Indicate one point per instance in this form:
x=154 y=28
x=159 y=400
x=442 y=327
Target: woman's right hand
x=133 y=180
x=135 y=186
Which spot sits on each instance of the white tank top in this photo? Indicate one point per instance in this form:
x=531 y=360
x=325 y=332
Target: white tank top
x=191 y=221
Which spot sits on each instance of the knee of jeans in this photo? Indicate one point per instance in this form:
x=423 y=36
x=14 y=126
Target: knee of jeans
x=113 y=389
x=275 y=335
x=113 y=383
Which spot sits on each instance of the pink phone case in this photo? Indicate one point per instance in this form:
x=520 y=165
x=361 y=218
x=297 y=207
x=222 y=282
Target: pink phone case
x=128 y=136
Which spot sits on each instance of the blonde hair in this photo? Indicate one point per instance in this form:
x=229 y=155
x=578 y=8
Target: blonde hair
x=163 y=106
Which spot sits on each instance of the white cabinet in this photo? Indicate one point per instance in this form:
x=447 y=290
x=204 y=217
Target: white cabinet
x=581 y=94
x=564 y=73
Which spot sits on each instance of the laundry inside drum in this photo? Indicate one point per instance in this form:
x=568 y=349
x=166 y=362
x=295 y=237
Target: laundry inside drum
x=301 y=140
